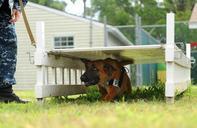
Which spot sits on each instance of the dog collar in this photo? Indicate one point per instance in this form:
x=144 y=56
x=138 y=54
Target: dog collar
x=115 y=82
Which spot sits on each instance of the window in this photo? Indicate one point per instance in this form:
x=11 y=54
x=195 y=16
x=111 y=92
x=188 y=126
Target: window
x=64 y=42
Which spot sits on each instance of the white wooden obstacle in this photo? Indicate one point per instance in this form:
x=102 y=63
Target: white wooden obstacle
x=177 y=63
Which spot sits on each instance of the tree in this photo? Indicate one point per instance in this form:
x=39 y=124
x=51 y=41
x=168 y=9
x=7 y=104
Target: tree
x=123 y=11
x=182 y=8
x=150 y=12
x=118 y=12
x=60 y=5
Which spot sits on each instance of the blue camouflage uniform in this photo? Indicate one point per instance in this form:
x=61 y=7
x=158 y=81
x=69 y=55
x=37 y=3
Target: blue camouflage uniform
x=8 y=43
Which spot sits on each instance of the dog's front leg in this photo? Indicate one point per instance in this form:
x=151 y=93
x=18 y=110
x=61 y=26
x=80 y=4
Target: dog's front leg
x=111 y=93
x=102 y=91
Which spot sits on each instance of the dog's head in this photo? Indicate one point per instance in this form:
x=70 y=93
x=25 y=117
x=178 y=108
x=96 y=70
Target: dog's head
x=96 y=72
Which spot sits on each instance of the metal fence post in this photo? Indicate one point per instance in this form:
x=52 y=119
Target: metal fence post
x=138 y=41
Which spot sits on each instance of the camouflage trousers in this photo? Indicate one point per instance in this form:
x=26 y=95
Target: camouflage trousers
x=8 y=52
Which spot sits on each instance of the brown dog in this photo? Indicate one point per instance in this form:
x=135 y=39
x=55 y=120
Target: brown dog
x=110 y=76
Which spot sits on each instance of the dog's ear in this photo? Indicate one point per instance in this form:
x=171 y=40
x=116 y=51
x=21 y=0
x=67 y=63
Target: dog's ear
x=126 y=62
x=123 y=62
x=108 y=69
x=109 y=59
x=84 y=60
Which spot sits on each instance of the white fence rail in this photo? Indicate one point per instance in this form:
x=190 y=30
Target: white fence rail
x=54 y=72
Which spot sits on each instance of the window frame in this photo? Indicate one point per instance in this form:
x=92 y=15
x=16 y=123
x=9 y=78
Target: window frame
x=63 y=39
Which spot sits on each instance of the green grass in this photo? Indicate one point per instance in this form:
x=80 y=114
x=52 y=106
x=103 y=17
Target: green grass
x=144 y=108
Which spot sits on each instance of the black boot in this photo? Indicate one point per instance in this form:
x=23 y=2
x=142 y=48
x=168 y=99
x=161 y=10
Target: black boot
x=7 y=95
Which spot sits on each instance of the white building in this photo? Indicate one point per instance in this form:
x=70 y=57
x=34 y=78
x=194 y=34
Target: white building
x=193 y=18
x=62 y=30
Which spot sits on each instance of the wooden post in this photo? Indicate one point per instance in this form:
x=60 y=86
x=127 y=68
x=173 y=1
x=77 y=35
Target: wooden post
x=40 y=37
x=75 y=72
x=169 y=58
x=62 y=75
x=69 y=76
x=188 y=51
x=188 y=54
x=138 y=41
x=41 y=70
x=54 y=75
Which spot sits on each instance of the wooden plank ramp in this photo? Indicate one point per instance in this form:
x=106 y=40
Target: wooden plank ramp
x=142 y=54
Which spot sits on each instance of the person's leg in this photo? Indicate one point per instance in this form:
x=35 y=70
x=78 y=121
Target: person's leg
x=8 y=52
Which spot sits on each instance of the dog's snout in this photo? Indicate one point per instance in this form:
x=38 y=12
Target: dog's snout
x=84 y=78
x=90 y=77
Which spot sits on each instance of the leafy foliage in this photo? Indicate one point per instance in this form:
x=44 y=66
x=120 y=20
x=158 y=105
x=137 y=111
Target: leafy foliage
x=116 y=11
x=155 y=92
x=147 y=93
x=60 y=5
x=122 y=12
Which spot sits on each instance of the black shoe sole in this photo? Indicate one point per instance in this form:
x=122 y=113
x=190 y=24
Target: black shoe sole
x=6 y=100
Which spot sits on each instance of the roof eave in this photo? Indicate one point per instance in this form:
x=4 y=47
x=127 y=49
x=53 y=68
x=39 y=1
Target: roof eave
x=115 y=32
x=111 y=29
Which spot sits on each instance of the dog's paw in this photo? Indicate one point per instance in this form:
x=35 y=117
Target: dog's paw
x=108 y=98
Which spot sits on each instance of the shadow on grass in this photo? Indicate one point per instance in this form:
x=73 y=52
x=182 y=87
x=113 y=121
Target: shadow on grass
x=154 y=92
x=91 y=96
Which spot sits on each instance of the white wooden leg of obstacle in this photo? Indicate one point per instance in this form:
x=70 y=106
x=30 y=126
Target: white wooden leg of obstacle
x=41 y=69
x=40 y=78
x=188 y=54
x=169 y=57
x=177 y=64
